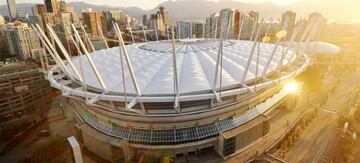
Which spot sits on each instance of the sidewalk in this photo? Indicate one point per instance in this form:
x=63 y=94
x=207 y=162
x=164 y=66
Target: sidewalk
x=278 y=126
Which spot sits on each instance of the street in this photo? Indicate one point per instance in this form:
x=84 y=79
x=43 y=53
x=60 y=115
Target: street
x=313 y=144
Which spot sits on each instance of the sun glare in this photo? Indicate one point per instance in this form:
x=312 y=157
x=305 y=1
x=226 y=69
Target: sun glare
x=292 y=87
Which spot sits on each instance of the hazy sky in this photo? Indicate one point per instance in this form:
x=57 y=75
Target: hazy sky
x=144 y=4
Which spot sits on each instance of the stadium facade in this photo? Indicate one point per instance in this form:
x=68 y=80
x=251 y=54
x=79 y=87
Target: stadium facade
x=175 y=97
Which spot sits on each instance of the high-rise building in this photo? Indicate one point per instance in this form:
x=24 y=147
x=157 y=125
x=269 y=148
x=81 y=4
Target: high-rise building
x=250 y=21
x=52 y=6
x=91 y=19
x=165 y=15
x=227 y=22
x=288 y=20
x=49 y=18
x=247 y=26
x=36 y=19
x=184 y=29
x=145 y=20
x=22 y=15
x=63 y=28
x=198 y=29
x=320 y=23
x=12 y=9
x=207 y=27
x=116 y=16
x=39 y=9
x=159 y=21
x=22 y=40
x=213 y=25
x=63 y=6
x=237 y=23
x=254 y=15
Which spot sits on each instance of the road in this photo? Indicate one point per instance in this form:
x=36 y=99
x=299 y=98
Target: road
x=313 y=144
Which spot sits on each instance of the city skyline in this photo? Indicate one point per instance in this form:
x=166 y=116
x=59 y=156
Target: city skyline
x=187 y=81
x=328 y=8
x=150 y=4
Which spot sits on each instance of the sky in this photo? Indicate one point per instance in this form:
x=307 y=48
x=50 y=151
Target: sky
x=144 y=4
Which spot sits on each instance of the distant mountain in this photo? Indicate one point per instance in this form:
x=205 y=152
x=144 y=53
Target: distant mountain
x=332 y=9
x=178 y=10
x=132 y=11
x=200 y=9
x=26 y=7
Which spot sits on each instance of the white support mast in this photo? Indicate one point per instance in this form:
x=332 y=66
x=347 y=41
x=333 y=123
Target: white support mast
x=73 y=41
x=228 y=28
x=303 y=37
x=240 y=28
x=203 y=31
x=216 y=26
x=84 y=86
x=122 y=69
x=156 y=32
x=131 y=34
x=63 y=50
x=132 y=74
x=142 y=25
x=217 y=67
x=102 y=34
x=288 y=44
x=272 y=54
x=253 y=30
x=46 y=42
x=93 y=66
x=243 y=77
x=178 y=27
x=311 y=35
x=51 y=49
x=87 y=38
x=176 y=80
x=191 y=31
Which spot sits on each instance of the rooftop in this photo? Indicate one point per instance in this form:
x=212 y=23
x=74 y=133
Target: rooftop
x=196 y=61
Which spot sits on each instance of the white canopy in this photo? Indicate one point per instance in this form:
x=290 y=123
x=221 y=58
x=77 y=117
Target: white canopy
x=153 y=66
x=318 y=47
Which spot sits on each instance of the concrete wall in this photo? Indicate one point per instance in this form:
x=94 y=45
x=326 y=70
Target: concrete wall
x=102 y=149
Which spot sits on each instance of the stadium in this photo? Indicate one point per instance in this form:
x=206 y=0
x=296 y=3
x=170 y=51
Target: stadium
x=175 y=97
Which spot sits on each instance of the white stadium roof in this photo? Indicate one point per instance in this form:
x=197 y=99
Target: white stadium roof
x=196 y=60
x=318 y=47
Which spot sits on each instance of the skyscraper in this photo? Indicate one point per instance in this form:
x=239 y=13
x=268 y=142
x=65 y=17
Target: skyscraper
x=237 y=23
x=254 y=15
x=90 y=20
x=320 y=25
x=165 y=15
x=184 y=29
x=52 y=6
x=145 y=20
x=12 y=8
x=38 y=10
x=212 y=24
x=63 y=6
x=159 y=20
x=226 y=22
x=22 y=40
x=288 y=20
x=198 y=29
x=116 y=16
